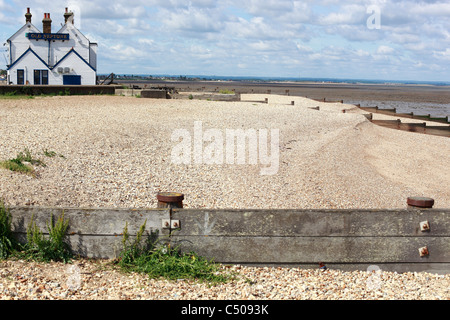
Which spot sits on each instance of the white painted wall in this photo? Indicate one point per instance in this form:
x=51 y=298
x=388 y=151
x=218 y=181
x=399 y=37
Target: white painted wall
x=29 y=63
x=77 y=67
x=19 y=43
x=77 y=41
x=93 y=55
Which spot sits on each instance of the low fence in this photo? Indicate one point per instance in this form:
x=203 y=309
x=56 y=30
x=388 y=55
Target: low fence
x=84 y=90
x=395 y=240
x=411 y=115
x=443 y=131
x=143 y=93
x=419 y=127
x=56 y=90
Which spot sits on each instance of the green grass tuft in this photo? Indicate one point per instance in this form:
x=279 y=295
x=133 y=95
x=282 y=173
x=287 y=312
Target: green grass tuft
x=16 y=165
x=226 y=91
x=160 y=260
x=45 y=249
x=38 y=247
x=7 y=242
x=21 y=163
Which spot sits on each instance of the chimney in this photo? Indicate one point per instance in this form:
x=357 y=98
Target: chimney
x=47 y=23
x=28 y=16
x=68 y=16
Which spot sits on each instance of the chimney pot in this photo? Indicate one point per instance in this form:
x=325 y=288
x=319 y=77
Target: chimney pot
x=68 y=15
x=28 y=16
x=47 y=23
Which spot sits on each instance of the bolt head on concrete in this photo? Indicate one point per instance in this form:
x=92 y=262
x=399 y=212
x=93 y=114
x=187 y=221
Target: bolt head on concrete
x=423 y=251
x=424 y=226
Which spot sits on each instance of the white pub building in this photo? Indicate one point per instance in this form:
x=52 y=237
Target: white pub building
x=66 y=57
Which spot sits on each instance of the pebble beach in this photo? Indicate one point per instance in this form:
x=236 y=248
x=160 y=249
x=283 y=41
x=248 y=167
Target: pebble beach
x=95 y=280
x=112 y=151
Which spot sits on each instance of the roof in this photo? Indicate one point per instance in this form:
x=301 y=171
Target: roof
x=76 y=53
x=24 y=54
x=72 y=28
x=29 y=50
x=21 y=29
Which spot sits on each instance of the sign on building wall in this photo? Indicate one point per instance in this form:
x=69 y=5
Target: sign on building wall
x=47 y=36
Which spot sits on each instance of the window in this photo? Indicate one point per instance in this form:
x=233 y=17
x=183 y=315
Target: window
x=20 y=76
x=41 y=77
x=44 y=75
x=37 y=76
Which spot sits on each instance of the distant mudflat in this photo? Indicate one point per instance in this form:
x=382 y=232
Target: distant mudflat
x=330 y=91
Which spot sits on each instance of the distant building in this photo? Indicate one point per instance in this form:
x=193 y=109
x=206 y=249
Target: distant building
x=45 y=58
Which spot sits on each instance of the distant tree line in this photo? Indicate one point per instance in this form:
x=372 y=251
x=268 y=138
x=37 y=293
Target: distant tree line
x=148 y=77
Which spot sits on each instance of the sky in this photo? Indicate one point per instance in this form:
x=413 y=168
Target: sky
x=367 y=39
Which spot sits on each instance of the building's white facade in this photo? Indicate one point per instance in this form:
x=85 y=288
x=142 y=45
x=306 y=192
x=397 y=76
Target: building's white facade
x=45 y=58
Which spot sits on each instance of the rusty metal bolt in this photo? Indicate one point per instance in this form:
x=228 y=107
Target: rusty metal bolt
x=175 y=224
x=424 y=226
x=170 y=199
x=167 y=224
x=424 y=251
x=420 y=202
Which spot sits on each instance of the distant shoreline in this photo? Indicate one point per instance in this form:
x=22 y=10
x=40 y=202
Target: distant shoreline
x=285 y=80
x=407 y=97
x=338 y=91
x=285 y=83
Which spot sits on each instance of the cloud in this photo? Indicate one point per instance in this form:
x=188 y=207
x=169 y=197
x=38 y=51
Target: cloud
x=256 y=28
x=267 y=8
x=346 y=15
x=385 y=50
x=445 y=55
x=145 y=41
x=190 y=20
x=427 y=9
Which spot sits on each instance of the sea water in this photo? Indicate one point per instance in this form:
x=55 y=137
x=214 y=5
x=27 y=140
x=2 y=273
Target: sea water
x=418 y=108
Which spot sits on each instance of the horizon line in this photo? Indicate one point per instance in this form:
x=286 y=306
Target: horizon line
x=251 y=77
